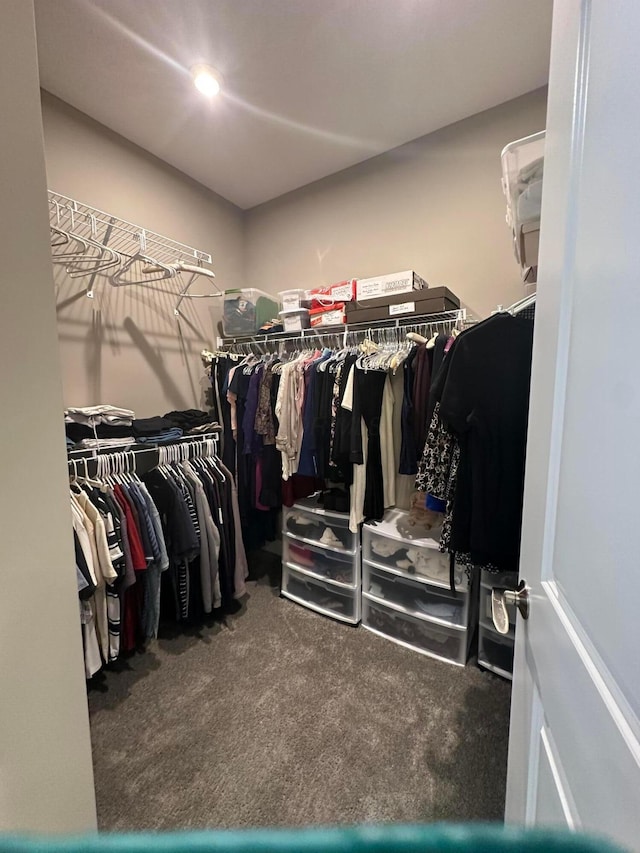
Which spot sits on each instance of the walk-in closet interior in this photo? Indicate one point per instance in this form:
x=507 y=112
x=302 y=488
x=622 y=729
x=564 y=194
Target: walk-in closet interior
x=295 y=306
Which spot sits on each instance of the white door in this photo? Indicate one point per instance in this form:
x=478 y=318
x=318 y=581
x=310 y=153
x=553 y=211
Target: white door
x=574 y=750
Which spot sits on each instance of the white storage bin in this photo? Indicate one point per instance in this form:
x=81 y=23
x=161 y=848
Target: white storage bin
x=486 y=616
x=320 y=527
x=495 y=652
x=325 y=598
x=417 y=599
x=446 y=643
x=337 y=567
x=246 y=310
x=295 y=319
x=392 y=543
x=292 y=300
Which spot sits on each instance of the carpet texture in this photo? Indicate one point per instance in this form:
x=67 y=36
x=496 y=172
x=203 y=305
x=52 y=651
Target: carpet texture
x=281 y=717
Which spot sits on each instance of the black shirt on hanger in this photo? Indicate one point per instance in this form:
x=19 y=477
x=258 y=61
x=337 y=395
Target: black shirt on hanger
x=486 y=402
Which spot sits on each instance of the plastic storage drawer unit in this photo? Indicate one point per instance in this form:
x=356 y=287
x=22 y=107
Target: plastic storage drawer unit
x=341 y=569
x=323 y=597
x=414 y=597
x=320 y=527
x=439 y=641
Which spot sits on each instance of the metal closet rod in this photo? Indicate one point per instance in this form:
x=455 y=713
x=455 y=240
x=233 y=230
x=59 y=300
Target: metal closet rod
x=459 y=316
x=127 y=460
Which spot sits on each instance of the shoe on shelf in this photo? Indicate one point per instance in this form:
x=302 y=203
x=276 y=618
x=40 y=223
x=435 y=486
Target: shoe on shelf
x=330 y=538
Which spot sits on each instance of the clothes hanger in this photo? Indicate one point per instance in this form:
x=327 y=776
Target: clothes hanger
x=67 y=237
x=106 y=259
x=118 y=279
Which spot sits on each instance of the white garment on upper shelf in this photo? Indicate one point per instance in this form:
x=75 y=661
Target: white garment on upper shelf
x=94 y=415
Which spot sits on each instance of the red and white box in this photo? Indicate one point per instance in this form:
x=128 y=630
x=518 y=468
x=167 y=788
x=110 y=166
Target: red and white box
x=341 y=291
x=328 y=315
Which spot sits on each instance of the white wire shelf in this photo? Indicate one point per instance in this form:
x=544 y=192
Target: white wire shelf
x=129 y=252
x=412 y=322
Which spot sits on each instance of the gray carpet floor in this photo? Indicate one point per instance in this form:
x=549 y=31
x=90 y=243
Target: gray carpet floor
x=281 y=717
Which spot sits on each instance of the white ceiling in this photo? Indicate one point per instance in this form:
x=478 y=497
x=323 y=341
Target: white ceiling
x=311 y=86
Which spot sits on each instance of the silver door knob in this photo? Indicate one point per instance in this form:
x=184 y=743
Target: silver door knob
x=519 y=597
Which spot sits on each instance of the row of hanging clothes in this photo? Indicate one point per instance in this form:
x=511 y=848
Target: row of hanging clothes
x=330 y=412
x=157 y=537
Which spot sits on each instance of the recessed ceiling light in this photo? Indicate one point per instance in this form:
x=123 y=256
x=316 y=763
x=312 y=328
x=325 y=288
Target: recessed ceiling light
x=207 y=80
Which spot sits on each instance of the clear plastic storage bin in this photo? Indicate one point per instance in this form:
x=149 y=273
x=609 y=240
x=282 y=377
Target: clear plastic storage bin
x=320 y=527
x=246 y=310
x=522 y=175
x=439 y=641
x=415 y=598
x=337 y=567
x=295 y=319
x=321 y=596
x=292 y=300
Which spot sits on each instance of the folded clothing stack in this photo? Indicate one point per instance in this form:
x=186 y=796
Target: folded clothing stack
x=97 y=443
x=102 y=426
x=188 y=418
x=109 y=423
x=192 y=421
x=78 y=432
x=165 y=437
x=155 y=431
x=104 y=414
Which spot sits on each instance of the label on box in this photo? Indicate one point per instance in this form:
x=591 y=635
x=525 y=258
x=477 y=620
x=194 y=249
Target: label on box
x=290 y=303
x=328 y=318
x=402 y=308
x=388 y=285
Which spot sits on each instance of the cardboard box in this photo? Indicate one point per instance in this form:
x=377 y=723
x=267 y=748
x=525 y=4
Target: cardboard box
x=431 y=301
x=388 y=285
x=530 y=244
x=330 y=315
x=341 y=291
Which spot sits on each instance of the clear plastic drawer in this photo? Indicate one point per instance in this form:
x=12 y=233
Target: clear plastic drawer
x=428 y=638
x=326 y=598
x=495 y=652
x=314 y=560
x=421 y=558
x=320 y=527
x=415 y=598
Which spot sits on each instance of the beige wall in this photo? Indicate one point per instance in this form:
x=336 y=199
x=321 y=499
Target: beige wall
x=125 y=346
x=46 y=776
x=434 y=205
